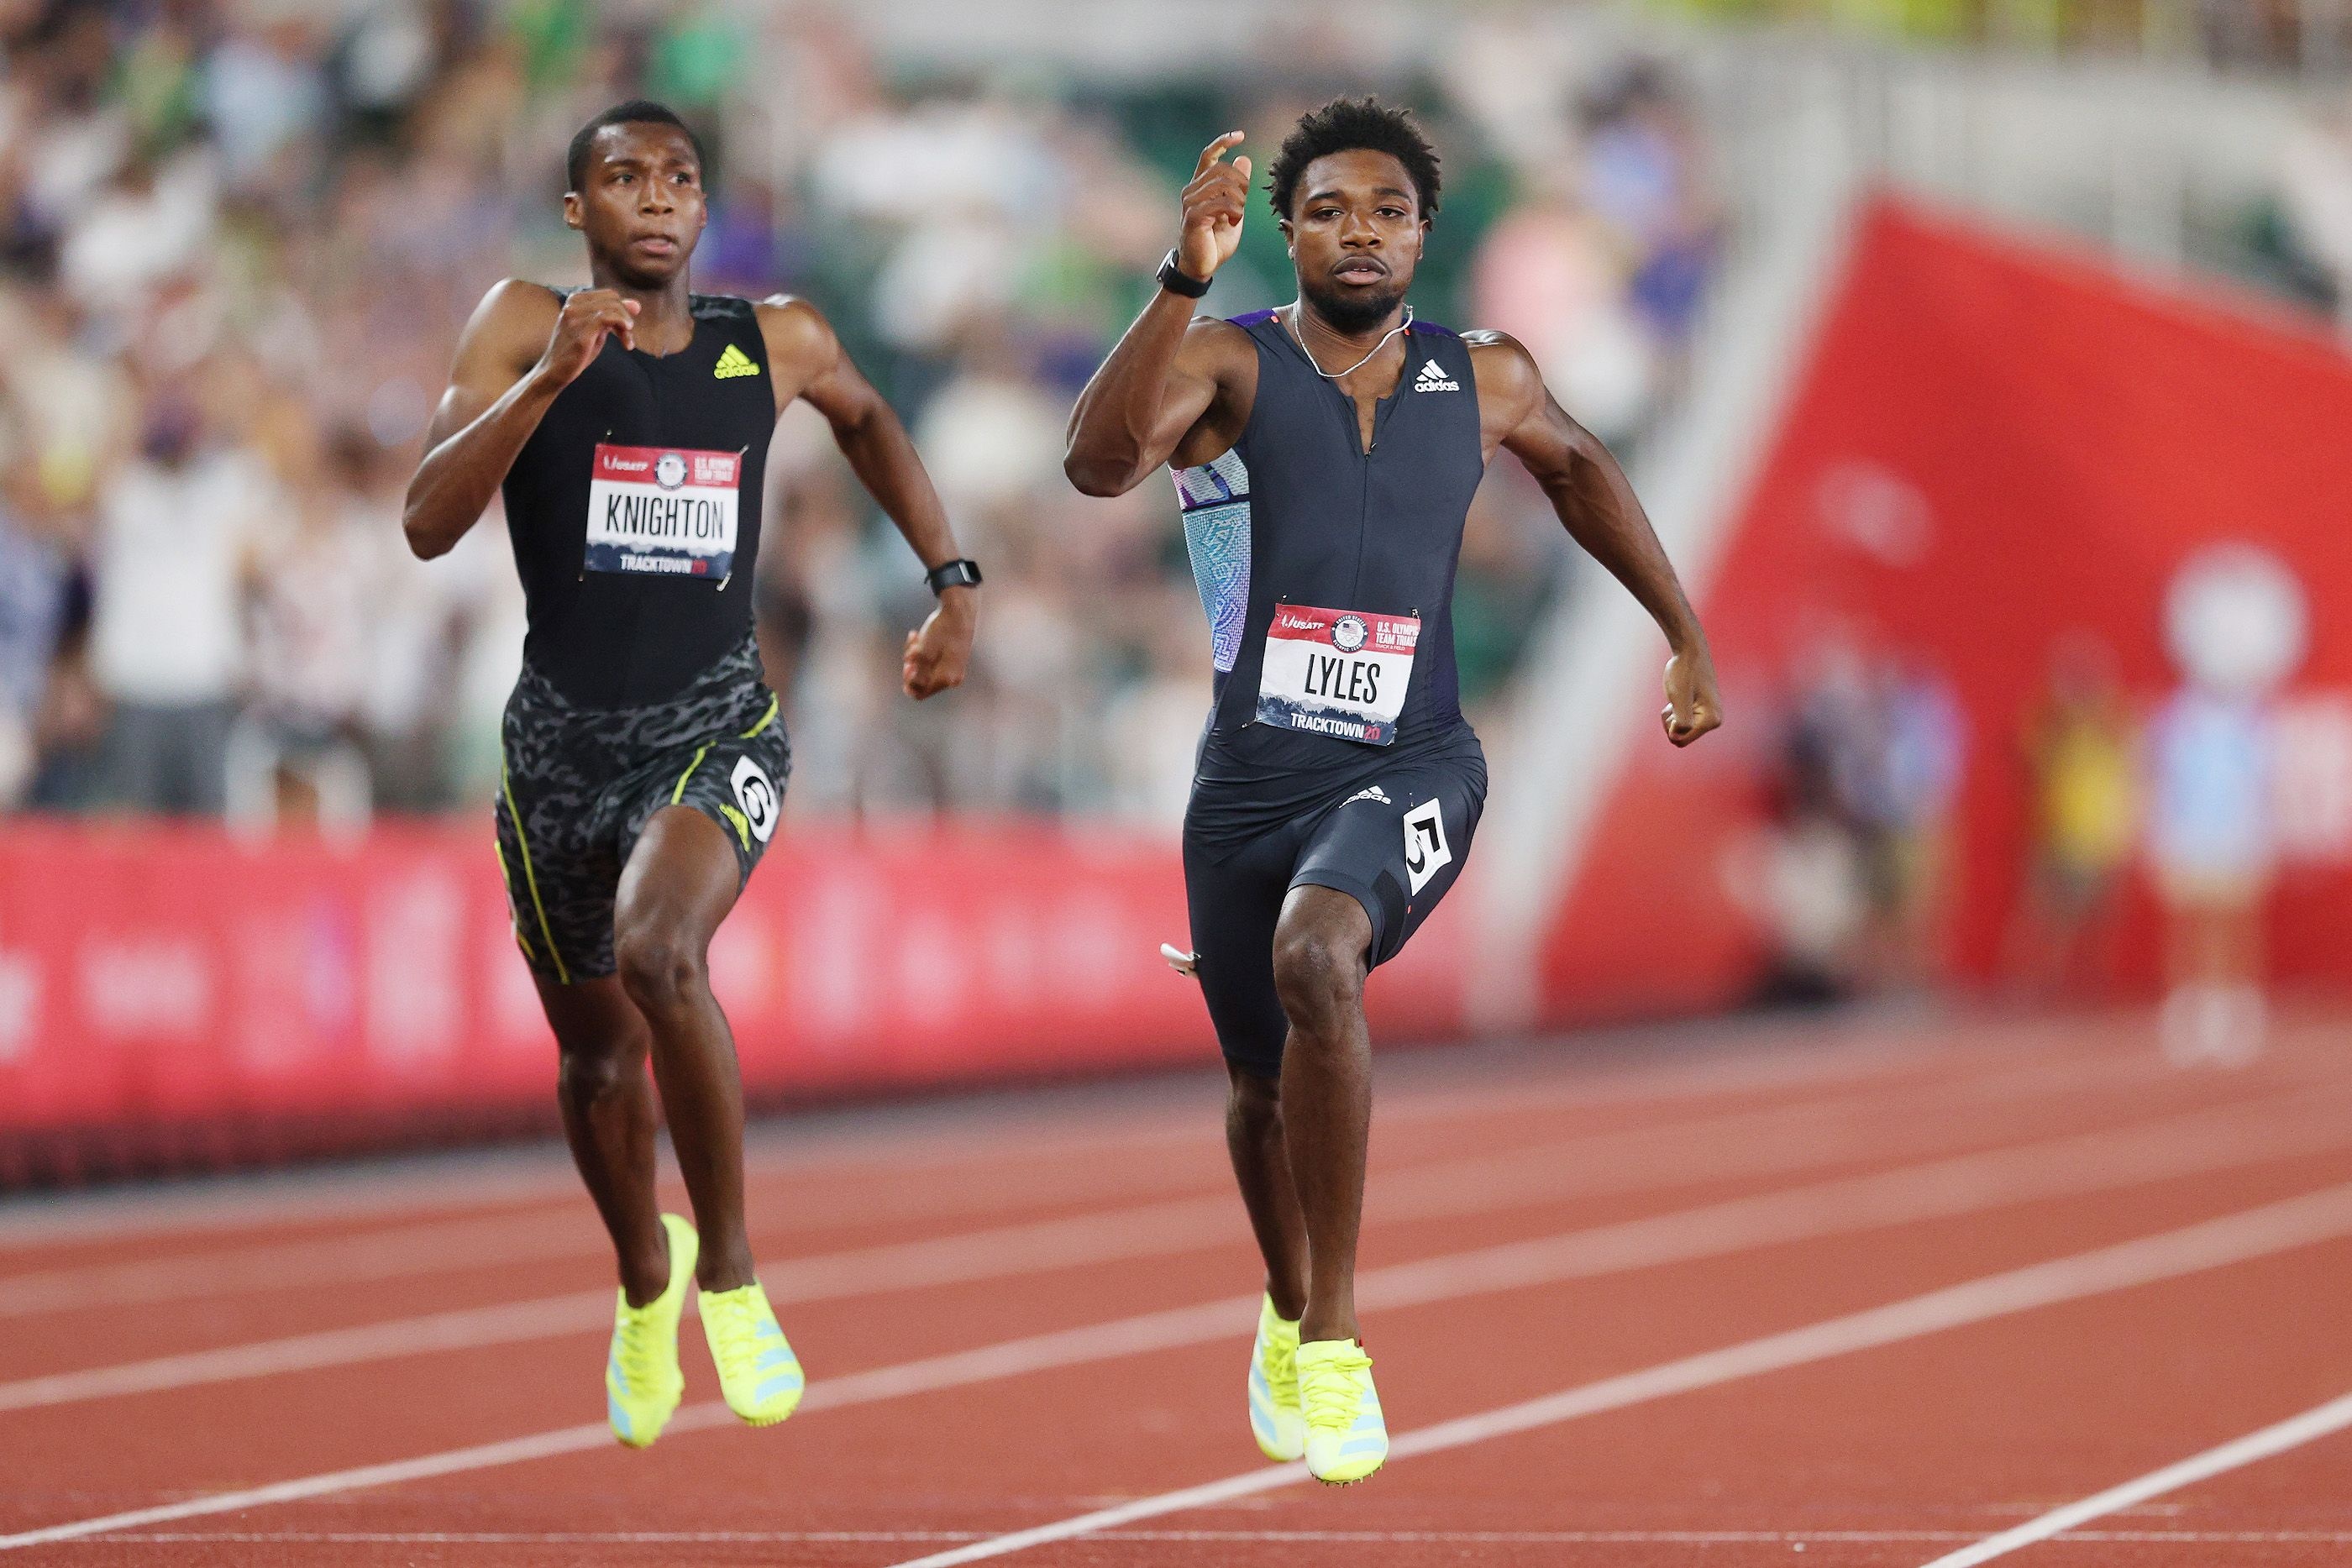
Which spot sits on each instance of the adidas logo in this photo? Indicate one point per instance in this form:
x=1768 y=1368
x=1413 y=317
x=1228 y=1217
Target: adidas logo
x=1374 y=793
x=1432 y=378
x=733 y=363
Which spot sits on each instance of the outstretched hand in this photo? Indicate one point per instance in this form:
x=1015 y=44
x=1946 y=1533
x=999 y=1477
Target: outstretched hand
x=936 y=656
x=1693 y=707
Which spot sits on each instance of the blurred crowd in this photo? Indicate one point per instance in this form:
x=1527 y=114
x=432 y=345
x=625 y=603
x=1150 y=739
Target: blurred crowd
x=238 y=237
x=1850 y=870
x=2257 y=34
x=1850 y=875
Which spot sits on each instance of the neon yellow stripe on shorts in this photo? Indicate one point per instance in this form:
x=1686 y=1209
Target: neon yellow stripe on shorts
x=766 y=719
x=530 y=878
x=506 y=880
x=679 y=792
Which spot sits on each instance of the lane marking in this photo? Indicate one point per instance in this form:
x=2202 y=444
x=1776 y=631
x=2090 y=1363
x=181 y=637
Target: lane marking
x=2312 y=1425
x=2302 y=1221
x=1303 y=1537
x=2276 y=1127
x=1969 y=1185
x=1774 y=1056
x=439 y=1247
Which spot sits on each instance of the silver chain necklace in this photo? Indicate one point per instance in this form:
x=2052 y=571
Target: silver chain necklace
x=1404 y=325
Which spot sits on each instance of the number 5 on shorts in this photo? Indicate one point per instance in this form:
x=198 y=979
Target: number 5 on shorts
x=1426 y=853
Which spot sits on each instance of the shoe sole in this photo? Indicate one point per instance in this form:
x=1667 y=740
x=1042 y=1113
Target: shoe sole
x=780 y=1417
x=1352 y=1481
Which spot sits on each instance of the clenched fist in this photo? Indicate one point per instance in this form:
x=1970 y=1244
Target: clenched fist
x=580 y=331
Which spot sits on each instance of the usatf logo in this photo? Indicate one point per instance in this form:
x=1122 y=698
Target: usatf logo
x=732 y=362
x=1432 y=378
x=1348 y=634
x=669 y=471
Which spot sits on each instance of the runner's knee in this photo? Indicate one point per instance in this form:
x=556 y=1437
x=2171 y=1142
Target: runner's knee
x=1319 y=979
x=1253 y=1103
x=661 y=967
x=589 y=1071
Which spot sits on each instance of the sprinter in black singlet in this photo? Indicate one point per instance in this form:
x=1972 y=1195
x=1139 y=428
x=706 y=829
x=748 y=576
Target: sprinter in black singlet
x=645 y=761
x=1326 y=453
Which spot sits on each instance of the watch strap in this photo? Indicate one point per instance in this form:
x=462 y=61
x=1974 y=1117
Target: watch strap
x=1176 y=280
x=952 y=574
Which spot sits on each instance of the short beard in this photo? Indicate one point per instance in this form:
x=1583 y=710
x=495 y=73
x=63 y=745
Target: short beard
x=1354 y=311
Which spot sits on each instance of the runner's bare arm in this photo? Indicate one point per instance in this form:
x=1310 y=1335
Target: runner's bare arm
x=1175 y=388
x=520 y=349
x=805 y=360
x=1601 y=512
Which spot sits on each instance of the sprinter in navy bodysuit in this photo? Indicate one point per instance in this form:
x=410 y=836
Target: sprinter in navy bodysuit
x=1326 y=453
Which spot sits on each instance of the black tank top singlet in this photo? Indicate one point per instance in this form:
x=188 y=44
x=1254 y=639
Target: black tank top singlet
x=1299 y=514
x=633 y=510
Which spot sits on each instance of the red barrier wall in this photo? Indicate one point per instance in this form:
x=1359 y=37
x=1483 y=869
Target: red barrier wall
x=1990 y=443
x=158 y=977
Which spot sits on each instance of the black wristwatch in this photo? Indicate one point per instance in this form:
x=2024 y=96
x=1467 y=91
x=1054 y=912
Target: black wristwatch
x=954 y=574
x=1176 y=280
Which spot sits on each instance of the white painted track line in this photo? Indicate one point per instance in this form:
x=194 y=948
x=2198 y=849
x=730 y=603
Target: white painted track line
x=2312 y=1425
x=1667 y=1148
x=2278 y=1127
x=2252 y=1233
x=2295 y=1222
x=1856 y=1050
x=1270 y=1537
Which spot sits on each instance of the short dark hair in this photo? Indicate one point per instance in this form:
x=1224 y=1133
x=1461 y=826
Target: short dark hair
x=636 y=111
x=1348 y=125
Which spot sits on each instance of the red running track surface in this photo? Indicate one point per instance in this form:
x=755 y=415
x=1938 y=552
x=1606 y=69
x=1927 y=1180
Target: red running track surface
x=1869 y=1293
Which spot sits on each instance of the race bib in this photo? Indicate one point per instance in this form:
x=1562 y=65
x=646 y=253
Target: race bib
x=1337 y=672
x=668 y=510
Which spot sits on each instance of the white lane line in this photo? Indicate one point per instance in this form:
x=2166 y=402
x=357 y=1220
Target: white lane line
x=1275 y=1537
x=2294 y=1222
x=1968 y=1184
x=1778 y=1057
x=1789 y=1132
x=2273 y=1128
x=2312 y=1425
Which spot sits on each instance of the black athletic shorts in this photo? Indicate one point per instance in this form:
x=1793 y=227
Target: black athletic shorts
x=1394 y=840
x=580 y=784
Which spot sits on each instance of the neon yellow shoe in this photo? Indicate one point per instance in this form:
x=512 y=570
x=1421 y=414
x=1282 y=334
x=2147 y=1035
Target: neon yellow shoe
x=757 y=1372
x=1275 y=1420
x=1346 y=1437
x=642 y=1381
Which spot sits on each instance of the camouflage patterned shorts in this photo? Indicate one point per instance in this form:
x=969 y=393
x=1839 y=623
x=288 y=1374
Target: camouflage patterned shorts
x=580 y=784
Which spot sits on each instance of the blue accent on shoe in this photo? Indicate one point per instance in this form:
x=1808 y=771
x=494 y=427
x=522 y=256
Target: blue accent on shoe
x=613 y=1370
x=619 y=1417
x=775 y=1385
x=773 y=1359
x=1355 y=1446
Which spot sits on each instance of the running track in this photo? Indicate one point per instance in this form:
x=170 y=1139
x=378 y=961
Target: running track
x=1879 y=1293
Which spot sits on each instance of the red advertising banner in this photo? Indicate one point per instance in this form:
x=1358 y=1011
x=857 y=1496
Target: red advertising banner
x=1997 y=454
x=161 y=975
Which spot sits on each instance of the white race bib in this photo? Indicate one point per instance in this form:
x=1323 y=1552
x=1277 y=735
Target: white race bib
x=1337 y=672
x=664 y=510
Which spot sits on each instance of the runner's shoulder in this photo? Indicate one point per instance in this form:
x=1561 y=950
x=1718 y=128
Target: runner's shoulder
x=796 y=332
x=512 y=323
x=1507 y=374
x=1215 y=343
x=520 y=300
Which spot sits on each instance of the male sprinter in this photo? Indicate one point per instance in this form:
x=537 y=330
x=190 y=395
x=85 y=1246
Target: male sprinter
x=1326 y=453
x=644 y=767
